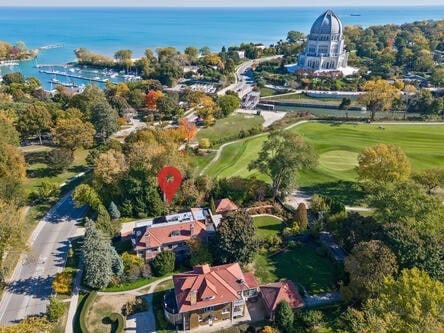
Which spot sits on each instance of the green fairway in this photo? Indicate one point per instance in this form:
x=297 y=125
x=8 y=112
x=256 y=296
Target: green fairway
x=338 y=146
x=229 y=128
x=267 y=225
x=301 y=264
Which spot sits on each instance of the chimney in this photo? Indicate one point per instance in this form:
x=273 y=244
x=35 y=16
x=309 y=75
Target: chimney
x=147 y=238
x=193 y=297
x=191 y=230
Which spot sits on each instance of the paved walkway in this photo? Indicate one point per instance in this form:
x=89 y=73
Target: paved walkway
x=143 y=322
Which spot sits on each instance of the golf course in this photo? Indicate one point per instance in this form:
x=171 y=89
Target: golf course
x=338 y=146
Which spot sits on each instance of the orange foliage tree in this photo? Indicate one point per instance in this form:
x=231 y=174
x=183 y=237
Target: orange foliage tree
x=189 y=128
x=152 y=97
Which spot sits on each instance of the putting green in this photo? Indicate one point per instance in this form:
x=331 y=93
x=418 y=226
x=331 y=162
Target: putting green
x=338 y=160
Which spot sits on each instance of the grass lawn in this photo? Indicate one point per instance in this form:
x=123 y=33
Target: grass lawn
x=267 y=225
x=338 y=146
x=301 y=264
x=38 y=170
x=301 y=98
x=228 y=128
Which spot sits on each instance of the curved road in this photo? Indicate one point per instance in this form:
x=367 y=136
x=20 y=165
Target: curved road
x=29 y=288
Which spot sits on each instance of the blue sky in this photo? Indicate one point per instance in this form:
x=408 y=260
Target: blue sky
x=217 y=3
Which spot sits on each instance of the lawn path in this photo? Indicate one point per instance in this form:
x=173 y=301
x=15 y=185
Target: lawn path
x=221 y=148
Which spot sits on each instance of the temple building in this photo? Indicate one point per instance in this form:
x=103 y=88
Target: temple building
x=325 y=45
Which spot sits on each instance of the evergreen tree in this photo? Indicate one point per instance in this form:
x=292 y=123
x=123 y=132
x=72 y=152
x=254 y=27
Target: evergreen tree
x=212 y=206
x=164 y=263
x=234 y=241
x=300 y=217
x=97 y=257
x=284 y=316
x=117 y=263
x=113 y=211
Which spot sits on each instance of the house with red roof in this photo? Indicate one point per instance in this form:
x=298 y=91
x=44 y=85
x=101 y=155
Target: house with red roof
x=274 y=293
x=171 y=232
x=225 y=205
x=208 y=295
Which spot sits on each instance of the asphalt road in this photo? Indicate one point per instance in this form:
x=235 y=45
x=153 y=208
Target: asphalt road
x=30 y=287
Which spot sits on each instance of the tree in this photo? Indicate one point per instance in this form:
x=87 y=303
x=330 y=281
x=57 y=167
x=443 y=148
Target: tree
x=113 y=211
x=282 y=156
x=378 y=95
x=406 y=202
x=383 y=163
x=191 y=52
x=411 y=303
x=228 y=104
x=109 y=167
x=206 y=109
x=189 y=128
x=59 y=159
x=12 y=163
x=35 y=120
x=164 y=263
x=200 y=253
x=73 y=133
x=152 y=97
x=116 y=262
x=104 y=118
x=55 y=309
x=430 y=179
x=284 y=316
x=367 y=266
x=97 y=257
x=86 y=195
x=295 y=36
x=235 y=239
x=416 y=248
x=300 y=217
x=168 y=107
x=32 y=324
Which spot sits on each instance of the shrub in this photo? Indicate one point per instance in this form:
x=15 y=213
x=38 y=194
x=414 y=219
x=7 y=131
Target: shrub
x=55 y=309
x=132 y=307
x=120 y=322
x=312 y=318
x=164 y=263
x=84 y=313
x=204 y=143
x=62 y=283
x=284 y=315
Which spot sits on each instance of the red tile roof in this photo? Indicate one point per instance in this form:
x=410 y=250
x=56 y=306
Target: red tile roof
x=158 y=235
x=274 y=293
x=225 y=205
x=211 y=286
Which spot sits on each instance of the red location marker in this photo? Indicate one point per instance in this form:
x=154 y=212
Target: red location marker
x=169 y=180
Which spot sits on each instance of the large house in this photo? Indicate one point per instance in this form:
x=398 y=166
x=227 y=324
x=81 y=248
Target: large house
x=208 y=295
x=274 y=293
x=171 y=232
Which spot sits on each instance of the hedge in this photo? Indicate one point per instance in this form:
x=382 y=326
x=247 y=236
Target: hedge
x=84 y=313
x=120 y=321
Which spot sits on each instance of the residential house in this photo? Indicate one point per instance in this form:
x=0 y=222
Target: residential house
x=225 y=205
x=171 y=232
x=208 y=295
x=274 y=293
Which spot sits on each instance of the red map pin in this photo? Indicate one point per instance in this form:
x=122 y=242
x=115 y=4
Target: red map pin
x=169 y=180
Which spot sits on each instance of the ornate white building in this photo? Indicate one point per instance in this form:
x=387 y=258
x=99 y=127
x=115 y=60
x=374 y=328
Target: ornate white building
x=325 y=45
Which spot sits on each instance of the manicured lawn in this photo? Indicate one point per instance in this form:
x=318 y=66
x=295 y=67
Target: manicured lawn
x=267 y=225
x=38 y=170
x=227 y=129
x=301 y=264
x=338 y=146
x=301 y=98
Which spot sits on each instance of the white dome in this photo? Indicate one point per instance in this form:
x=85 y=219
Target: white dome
x=327 y=24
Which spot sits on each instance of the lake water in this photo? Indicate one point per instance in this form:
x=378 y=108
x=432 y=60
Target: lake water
x=106 y=30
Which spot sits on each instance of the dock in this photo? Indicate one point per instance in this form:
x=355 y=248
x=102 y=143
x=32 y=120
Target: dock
x=76 y=76
x=52 y=46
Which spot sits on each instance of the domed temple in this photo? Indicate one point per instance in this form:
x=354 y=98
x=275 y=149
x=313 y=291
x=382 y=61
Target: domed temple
x=325 y=45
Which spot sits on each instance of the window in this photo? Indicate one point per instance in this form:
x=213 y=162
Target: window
x=225 y=311
x=209 y=309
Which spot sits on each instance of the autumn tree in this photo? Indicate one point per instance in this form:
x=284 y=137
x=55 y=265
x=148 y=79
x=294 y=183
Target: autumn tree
x=109 y=167
x=235 y=239
x=383 y=163
x=411 y=303
x=430 y=179
x=206 y=109
x=152 y=97
x=367 y=266
x=188 y=128
x=300 y=217
x=73 y=133
x=12 y=163
x=378 y=95
x=35 y=120
x=282 y=156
